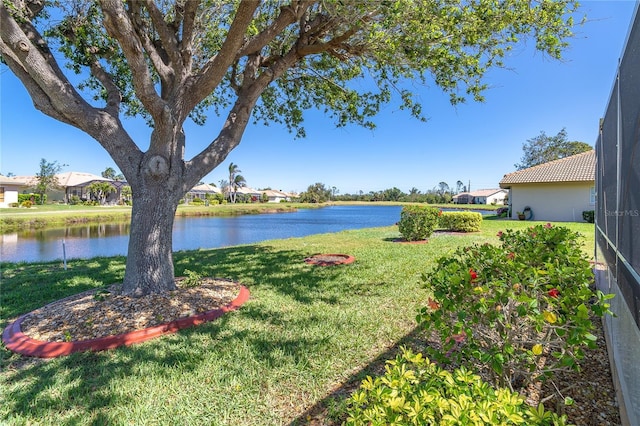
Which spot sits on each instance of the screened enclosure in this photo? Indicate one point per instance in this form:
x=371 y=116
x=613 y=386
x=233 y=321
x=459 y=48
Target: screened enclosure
x=618 y=223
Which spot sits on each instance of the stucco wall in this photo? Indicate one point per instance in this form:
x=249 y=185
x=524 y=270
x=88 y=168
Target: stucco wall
x=10 y=195
x=497 y=198
x=562 y=202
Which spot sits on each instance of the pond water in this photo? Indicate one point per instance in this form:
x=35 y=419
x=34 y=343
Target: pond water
x=190 y=233
x=111 y=239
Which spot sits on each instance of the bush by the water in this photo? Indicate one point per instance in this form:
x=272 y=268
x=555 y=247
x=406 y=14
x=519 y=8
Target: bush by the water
x=418 y=222
x=461 y=221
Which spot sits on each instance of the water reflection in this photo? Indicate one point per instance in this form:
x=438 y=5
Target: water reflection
x=111 y=239
x=78 y=231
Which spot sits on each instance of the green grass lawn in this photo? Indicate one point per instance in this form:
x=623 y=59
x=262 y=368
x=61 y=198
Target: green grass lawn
x=295 y=349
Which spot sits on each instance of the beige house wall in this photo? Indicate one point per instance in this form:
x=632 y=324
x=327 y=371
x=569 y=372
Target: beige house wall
x=562 y=202
x=10 y=195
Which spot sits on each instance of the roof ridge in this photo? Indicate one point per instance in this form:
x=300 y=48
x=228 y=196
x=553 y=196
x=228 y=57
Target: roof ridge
x=552 y=162
x=573 y=168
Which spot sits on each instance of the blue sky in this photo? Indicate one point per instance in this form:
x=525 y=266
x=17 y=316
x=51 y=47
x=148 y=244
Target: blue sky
x=473 y=142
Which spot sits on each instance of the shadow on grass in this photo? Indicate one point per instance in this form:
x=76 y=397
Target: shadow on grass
x=331 y=409
x=29 y=286
x=83 y=382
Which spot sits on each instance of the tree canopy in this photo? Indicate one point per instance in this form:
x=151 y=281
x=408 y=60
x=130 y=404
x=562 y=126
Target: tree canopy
x=266 y=61
x=542 y=149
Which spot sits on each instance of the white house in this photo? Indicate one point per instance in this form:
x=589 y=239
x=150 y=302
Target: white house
x=559 y=190
x=76 y=184
x=9 y=189
x=276 y=196
x=481 y=196
x=201 y=191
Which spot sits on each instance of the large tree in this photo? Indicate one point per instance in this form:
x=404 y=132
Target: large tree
x=268 y=61
x=543 y=149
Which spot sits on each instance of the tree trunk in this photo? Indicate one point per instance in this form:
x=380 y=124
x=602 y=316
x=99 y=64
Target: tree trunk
x=150 y=258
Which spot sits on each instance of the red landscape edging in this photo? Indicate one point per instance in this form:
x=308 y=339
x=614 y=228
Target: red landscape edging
x=16 y=341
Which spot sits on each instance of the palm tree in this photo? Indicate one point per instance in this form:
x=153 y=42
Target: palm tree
x=459 y=186
x=101 y=191
x=236 y=180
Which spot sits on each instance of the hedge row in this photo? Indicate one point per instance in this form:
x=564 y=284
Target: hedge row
x=461 y=221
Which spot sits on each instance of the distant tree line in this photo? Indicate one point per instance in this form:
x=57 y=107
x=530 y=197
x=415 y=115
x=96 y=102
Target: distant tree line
x=441 y=194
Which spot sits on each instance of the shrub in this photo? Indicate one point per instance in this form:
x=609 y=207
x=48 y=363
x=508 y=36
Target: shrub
x=75 y=200
x=589 y=216
x=26 y=203
x=34 y=198
x=418 y=222
x=461 y=221
x=197 y=201
x=505 y=307
x=415 y=391
x=502 y=212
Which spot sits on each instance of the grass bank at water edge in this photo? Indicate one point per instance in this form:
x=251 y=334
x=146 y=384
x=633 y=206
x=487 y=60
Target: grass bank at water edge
x=57 y=215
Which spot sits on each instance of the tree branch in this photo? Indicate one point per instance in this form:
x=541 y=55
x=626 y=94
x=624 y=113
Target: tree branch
x=288 y=15
x=39 y=97
x=167 y=37
x=213 y=72
x=53 y=94
x=238 y=117
x=114 y=97
x=188 y=26
x=157 y=54
x=120 y=27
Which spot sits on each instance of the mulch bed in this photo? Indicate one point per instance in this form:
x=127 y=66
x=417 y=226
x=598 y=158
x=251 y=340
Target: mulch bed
x=329 y=259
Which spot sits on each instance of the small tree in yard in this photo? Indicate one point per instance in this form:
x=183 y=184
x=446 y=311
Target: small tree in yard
x=46 y=178
x=169 y=61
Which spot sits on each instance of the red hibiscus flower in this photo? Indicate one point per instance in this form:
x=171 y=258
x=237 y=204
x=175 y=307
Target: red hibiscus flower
x=554 y=293
x=474 y=275
x=499 y=234
x=547 y=225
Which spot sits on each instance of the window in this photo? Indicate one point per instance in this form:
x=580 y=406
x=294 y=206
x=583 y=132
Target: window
x=592 y=195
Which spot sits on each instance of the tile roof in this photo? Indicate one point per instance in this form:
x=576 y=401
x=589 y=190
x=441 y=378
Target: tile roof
x=205 y=187
x=576 y=168
x=9 y=180
x=480 y=193
x=68 y=179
